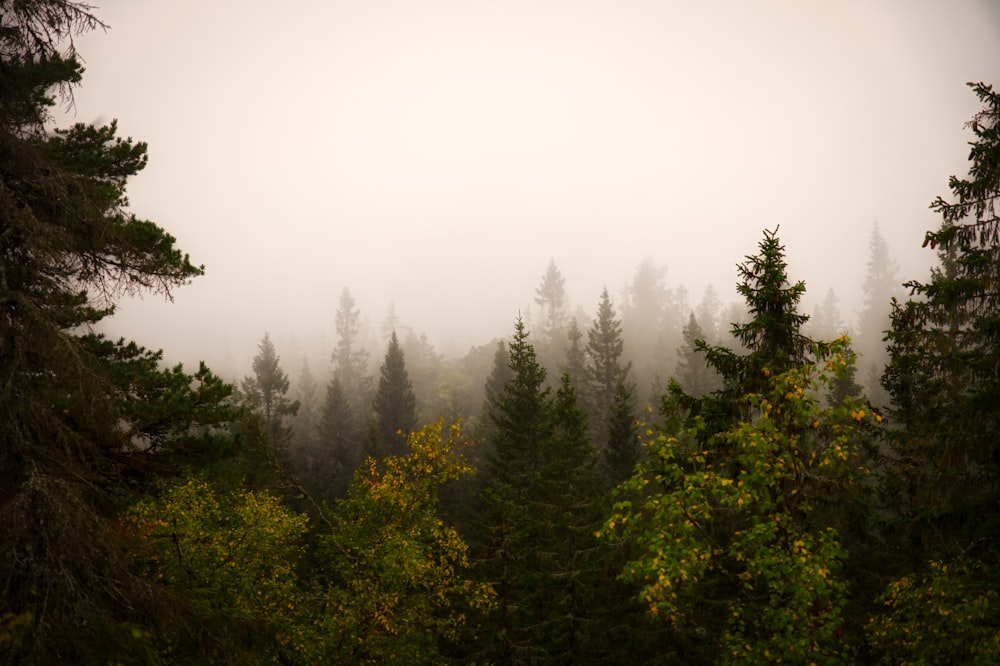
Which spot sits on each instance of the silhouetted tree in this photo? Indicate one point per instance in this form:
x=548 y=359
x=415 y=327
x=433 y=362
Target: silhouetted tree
x=350 y=360
x=693 y=373
x=395 y=404
x=605 y=368
x=338 y=451
x=772 y=337
x=826 y=322
x=623 y=448
x=943 y=484
x=881 y=285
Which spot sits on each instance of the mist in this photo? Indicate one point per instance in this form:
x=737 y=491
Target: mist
x=436 y=156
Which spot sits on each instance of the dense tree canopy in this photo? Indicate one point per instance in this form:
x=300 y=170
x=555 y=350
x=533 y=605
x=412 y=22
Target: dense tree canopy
x=769 y=514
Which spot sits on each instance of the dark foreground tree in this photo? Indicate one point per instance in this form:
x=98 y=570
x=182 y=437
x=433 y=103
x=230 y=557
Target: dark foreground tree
x=84 y=422
x=944 y=381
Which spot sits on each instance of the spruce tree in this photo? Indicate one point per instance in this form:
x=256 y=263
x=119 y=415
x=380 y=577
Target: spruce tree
x=604 y=350
x=942 y=485
x=567 y=512
x=645 y=313
x=881 y=285
x=693 y=373
x=521 y=418
x=395 y=404
x=772 y=337
x=944 y=370
x=267 y=389
x=550 y=296
x=623 y=450
x=350 y=360
x=338 y=451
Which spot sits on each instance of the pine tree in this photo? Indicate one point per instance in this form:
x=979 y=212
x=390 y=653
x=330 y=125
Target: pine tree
x=86 y=423
x=395 y=404
x=880 y=287
x=350 y=360
x=944 y=371
x=521 y=428
x=567 y=512
x=709 y=315
x=604 y=350
x=267 y=392
x=772 y=337
x=307 y=418
x=550 y=296
x=942 y=487
x=553 y=315
x=826 y=322
x=339 y=452
x=499 y=377
x=623 y=449
x=693 y=372
x=646 y=314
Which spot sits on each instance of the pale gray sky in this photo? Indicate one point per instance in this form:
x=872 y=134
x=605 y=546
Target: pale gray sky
x=438 y=153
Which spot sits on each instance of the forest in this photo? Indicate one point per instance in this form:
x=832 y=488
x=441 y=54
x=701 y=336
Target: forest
x=652 y=483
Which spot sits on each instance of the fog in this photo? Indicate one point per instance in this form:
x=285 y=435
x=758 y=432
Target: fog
x=436 y=155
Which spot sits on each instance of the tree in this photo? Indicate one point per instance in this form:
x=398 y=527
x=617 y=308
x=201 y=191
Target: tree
x=266 y=392
x=339 y=454
x=944 y=380
x=575 y=363
x=728 y=546
x=521 y=428
x=552 y=319
x=647 y=316
x=622 y=452
x=772 y=337
x=395 y=404
x=499 y=377
x=709 y=315
x=349 y=357
x=233 y=556
x=85 y=423
x=553 y=305
x=605 y=369
x=880 y=287
x=567 y=512
x=826 y=322
x=400 y=586
x=693 y=372
x=306 y=424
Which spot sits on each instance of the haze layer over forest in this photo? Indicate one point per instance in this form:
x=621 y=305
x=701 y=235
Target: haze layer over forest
x=437 y=155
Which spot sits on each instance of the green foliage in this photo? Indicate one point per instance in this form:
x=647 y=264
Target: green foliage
x=942 y=488
x=772 y=337
x=726 y=542
x=947 y=615
x=944 y=372
x=232 y=556
x=84 y=422
x=401 y=584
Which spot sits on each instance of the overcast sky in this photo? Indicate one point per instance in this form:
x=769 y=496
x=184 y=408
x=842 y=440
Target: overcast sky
x=437 y=154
